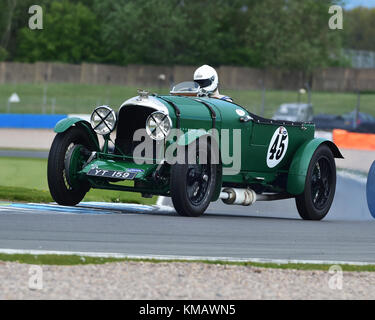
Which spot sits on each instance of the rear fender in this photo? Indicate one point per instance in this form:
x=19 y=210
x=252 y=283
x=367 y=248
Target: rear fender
x=64 y=124
x=301 y=161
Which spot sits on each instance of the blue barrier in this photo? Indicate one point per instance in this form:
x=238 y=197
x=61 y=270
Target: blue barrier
x=30 y=121
x=370 y=190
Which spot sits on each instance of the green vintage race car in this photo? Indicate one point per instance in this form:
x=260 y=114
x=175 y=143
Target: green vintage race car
x=196 y=150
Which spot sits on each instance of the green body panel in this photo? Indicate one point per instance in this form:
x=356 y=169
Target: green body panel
x=301 y=161
x=66 y=123
x=194 y=114
x=260 y=140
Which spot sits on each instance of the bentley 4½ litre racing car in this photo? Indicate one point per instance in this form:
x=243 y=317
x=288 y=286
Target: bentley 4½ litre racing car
x=227 y=153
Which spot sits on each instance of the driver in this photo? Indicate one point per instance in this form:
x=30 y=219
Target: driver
x=208 y=80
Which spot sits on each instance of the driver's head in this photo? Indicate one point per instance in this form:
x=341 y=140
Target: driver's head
x=207 y=78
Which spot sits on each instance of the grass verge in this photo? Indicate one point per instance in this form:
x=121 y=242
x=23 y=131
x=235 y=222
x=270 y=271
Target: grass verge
x=70 y=260
x=25 y=180
x=21 y=194
x=22 y=149
x=24 y=195
x=82 y=98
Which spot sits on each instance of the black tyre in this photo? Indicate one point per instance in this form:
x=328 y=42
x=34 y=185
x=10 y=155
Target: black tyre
x=320 y=186
x=58 y=181
x=193 y=185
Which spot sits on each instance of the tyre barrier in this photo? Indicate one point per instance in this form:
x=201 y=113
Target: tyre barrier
x=353 y=140
x=370 y=190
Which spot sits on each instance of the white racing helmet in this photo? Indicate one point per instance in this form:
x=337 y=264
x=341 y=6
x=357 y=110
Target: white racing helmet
x=207 y=78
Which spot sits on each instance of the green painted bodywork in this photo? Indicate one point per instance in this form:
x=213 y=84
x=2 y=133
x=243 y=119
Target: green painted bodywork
x=194 y=115
x=64 y=124
x=196 y=120
x=300 y=164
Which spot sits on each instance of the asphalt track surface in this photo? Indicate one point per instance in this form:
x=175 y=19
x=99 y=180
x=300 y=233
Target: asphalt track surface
x=24 y=154
x=267 y=230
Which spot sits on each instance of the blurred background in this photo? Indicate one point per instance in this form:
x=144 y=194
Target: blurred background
x=93 y=52
x=277 y=58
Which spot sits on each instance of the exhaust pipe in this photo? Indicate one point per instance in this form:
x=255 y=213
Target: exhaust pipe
x=242 y=197
x=247 y=197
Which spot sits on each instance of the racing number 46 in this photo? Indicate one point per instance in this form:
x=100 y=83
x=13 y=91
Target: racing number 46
x=278 y=147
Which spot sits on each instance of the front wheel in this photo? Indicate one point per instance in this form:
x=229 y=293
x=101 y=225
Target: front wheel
x=193 y=185
x=320 y=186
x=74 y=143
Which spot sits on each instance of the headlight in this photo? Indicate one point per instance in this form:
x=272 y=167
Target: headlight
x=158 y=125
x=103 y=120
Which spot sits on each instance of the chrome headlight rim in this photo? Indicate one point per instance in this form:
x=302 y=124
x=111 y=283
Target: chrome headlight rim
x=160 y=125
x=110 y=127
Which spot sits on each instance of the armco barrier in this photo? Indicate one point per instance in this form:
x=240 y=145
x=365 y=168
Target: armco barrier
x=353 y=140
x=30 y=121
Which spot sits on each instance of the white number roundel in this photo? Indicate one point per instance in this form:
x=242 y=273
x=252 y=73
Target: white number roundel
x=278 y=147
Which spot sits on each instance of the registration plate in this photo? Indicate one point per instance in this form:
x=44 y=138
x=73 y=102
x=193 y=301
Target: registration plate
x=121 y=175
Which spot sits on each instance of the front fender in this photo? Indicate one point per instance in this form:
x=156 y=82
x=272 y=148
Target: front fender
x=192 y=136
x=301 y=161
x=64 y=124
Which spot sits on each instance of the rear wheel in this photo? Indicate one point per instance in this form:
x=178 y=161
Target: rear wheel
x=193 y=185
x=320 y=186
x=73 y=143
